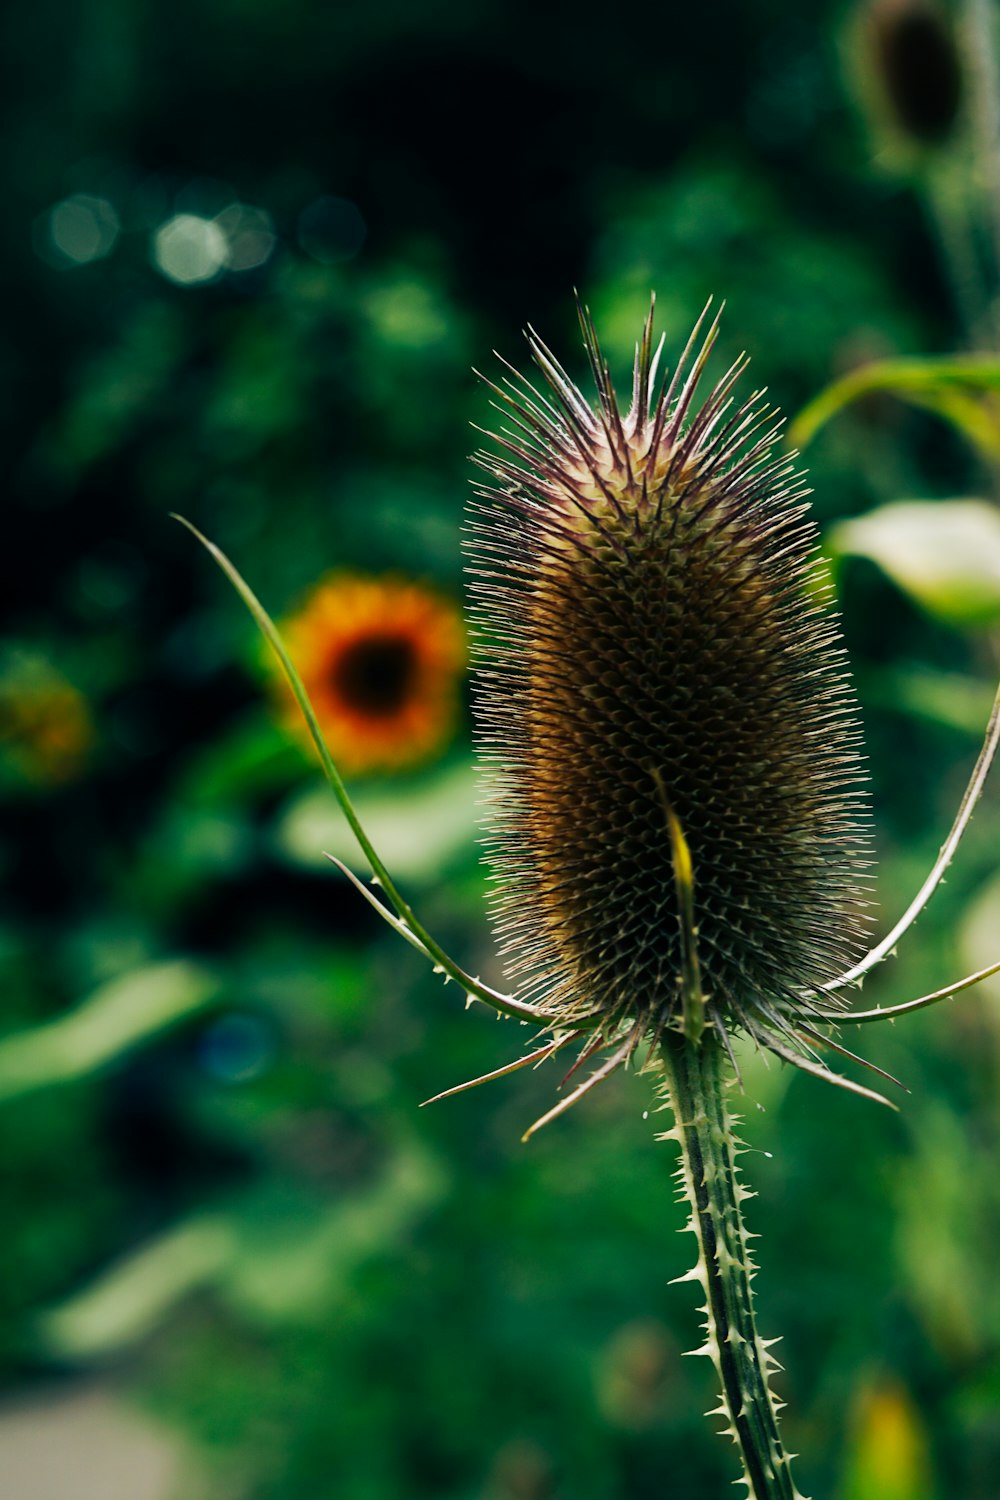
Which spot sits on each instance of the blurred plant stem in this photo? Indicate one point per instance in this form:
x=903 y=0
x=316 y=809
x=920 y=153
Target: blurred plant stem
x=951 y=211
x=984 y=76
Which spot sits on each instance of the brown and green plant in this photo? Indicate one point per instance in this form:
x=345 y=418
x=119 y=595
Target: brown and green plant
x=678 y=825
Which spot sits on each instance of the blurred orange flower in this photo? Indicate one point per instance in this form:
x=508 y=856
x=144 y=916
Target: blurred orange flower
x=46 y=728
x=381 y=659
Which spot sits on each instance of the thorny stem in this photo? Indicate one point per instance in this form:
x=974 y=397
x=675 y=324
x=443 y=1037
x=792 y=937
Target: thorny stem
x=708 y=1176
x=948 y=210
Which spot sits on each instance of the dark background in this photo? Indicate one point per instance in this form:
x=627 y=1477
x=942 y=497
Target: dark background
x=236 y=1215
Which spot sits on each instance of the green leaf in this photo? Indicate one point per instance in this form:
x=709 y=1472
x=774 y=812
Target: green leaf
x=277 y=1256
x=287 y=1267
x=118 y=1016
x=944 y=553
x=418 y=827
x=946 y=386
x=949 y=698
x=132 y=1298
x=254 y=758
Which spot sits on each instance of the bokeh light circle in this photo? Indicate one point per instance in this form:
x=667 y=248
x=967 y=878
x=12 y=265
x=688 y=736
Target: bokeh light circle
x=82 y=228
x=189 y=250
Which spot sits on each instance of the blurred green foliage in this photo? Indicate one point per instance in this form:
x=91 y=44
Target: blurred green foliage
x=252 y=253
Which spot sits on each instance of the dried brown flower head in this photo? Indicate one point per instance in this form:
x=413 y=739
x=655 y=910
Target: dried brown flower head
x=914 y=60
x=654 y=651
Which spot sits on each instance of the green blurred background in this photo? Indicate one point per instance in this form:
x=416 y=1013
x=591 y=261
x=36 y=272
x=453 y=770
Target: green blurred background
x=252 y=251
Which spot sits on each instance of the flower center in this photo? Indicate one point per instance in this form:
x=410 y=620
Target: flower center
x=375 y=675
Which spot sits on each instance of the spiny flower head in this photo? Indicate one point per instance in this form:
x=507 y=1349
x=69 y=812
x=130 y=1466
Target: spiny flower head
x=381 y=659
x=657 y=676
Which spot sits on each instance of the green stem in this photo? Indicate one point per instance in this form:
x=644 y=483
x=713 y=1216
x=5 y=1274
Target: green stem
x=703 y=1130
x=983 y=69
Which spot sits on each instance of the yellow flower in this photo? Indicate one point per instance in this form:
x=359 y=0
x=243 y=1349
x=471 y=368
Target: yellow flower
x=381 y=659
x=890 y=1458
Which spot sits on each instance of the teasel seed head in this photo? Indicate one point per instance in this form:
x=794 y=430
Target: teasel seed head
x=654 y=652
x=914 y=62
